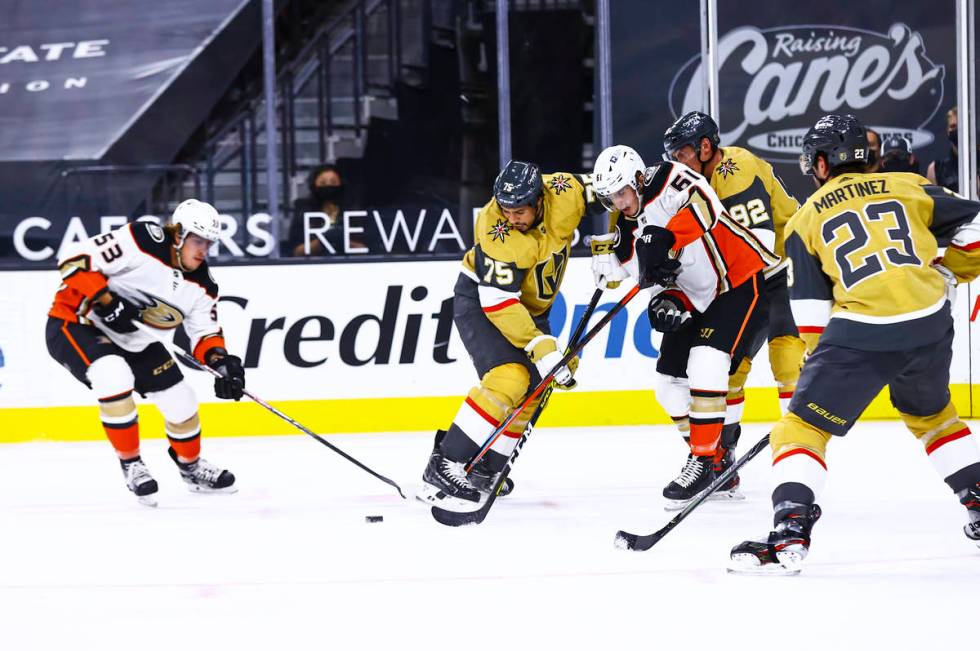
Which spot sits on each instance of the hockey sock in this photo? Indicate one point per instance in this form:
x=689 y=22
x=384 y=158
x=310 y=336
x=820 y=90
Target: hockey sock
x=185 y=438
x=707 y=417
x=951 y=447
x=786 y=359
x=121 y=424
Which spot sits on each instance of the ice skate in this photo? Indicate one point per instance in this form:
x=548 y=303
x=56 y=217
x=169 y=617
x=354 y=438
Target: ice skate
x=139 y=480
x=445 y=484
x=696 y=475
x=782 y=553
x=203 y=477
x=483 y=477
x=971 y=500
x=730 y=491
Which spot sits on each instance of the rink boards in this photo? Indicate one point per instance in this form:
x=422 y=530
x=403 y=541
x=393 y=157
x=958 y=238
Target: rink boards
x=362 y=348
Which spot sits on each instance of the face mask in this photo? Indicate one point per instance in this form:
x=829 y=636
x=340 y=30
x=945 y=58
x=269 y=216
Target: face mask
x=328 y=192
x=954 y=136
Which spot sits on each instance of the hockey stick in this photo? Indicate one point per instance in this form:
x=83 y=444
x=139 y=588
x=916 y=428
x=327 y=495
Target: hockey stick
x=640 y=543
x=189 y=359
x=546 y=380
x=456 y=519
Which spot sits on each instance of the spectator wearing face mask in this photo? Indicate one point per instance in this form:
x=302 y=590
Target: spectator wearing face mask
x=897 y=155
x=874 y=151
x=326 y=194
x=945 y=172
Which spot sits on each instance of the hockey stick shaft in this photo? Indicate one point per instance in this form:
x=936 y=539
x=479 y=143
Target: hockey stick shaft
x=454 y=519
x=642 y=543
x=189 y=359
x=546 y=380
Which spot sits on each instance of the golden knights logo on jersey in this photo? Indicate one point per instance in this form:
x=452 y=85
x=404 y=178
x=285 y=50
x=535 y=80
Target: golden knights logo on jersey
x=549 y=273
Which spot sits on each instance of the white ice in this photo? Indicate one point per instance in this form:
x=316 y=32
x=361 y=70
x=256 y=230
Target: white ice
x=289 y=562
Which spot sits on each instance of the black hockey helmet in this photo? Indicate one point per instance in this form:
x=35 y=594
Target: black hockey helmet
x=688 y=130
x=518 y=184
x=842 y=139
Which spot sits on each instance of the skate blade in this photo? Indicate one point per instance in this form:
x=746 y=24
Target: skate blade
x=433 y=496
x=734 y=495
x=147 y=500
x=748 y=565
x=204 y=490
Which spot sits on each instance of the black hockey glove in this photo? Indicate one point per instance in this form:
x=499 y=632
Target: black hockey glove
x=653 y=257
x=231 y=385
x=667 y=313
x=118 y=315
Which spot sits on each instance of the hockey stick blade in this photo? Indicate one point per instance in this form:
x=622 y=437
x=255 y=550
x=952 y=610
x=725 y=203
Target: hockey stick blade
x=454 y=519
x=641 y=543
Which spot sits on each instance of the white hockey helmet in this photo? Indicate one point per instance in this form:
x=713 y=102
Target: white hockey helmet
x=197 y=217
x=615 y=168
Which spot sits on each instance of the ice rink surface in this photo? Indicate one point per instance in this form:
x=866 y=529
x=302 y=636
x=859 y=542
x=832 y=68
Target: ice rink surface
x=290 y=563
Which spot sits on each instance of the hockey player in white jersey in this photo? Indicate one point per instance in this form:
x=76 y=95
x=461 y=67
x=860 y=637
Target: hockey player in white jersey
x=159 y=277
x=671 y=231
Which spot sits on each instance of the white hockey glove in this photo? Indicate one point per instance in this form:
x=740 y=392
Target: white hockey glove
x=950 y=278
x=607 y=271
x=544 y=352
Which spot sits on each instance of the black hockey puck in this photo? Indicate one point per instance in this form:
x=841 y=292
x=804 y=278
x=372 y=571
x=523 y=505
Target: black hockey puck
x=374 y=518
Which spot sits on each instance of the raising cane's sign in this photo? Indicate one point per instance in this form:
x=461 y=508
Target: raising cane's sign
x=775 y=82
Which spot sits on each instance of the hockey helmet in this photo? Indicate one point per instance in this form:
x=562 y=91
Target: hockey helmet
x=842 y=140
x=689 y=129
x=615 y=168
x=197 y=217
x=518 y=184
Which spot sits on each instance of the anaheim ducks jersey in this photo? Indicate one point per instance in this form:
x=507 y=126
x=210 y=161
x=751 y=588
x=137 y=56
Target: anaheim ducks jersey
x=133 y=262
x=861 y=248
x=755 y=197
x=518 y=274
x=716 y=252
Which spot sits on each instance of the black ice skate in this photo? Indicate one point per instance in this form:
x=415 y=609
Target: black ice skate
x=696 y=475
x=203 y=477
x=971 y=500
x=730 y=490
x=139 y=480
x=484 y=478
x=445 y=484
x=783 y=551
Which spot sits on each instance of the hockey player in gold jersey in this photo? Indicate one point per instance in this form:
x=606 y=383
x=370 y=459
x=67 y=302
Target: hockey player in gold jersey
x=756 y=198
x=875 y=311
x=505 y=289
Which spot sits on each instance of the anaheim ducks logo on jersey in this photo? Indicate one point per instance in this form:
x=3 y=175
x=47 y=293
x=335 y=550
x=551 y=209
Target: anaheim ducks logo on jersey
x=548 y=274
x=157 y=313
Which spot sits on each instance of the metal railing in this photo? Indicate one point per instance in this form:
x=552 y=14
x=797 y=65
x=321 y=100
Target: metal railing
x=322 y=94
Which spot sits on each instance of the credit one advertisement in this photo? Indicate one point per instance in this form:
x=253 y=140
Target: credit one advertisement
x=340 y=331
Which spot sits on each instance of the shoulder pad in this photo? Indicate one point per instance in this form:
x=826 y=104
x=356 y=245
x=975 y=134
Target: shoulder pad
x=202 y=276
x=151 y=240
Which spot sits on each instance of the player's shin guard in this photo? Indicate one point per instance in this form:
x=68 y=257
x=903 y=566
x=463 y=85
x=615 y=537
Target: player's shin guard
x=707 y=370
x=121 y=424
x=953 y=452
x=674 y=395
x=185 y=438
x=786 y=359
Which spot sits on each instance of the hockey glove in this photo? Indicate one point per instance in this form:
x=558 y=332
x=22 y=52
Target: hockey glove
x=653 y=250
x=231 y=385
x=607 y=271
x=118 y=314
x=667 y=313
x=544 y=352
x=950 y=279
